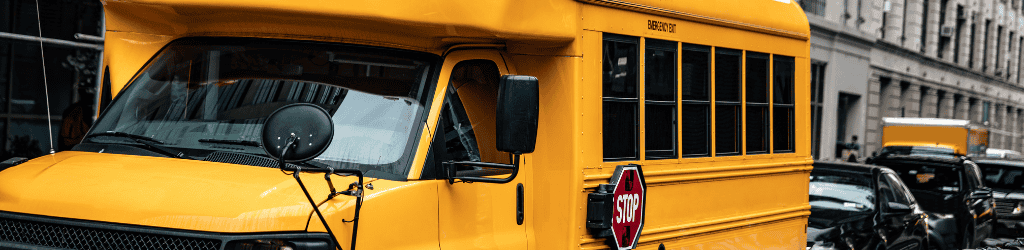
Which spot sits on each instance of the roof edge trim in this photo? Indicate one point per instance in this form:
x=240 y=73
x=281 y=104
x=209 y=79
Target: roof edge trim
x=618 y=4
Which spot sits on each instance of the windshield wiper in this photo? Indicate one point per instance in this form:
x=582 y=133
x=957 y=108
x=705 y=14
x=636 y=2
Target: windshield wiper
x=150 y=143
x=123 y=134
x=232 y=142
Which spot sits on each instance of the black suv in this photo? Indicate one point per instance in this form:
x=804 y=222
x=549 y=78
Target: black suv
x=949 y=188
x=858 y=206
x=1006 y=178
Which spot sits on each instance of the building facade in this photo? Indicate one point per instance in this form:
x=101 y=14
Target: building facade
x=914 y=58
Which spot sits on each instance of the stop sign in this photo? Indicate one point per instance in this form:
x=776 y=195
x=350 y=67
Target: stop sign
x=628 y=206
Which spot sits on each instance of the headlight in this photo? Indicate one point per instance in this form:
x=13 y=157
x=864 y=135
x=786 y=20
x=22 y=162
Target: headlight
x=1019 y=208
x=278 y=245
x=821 y=245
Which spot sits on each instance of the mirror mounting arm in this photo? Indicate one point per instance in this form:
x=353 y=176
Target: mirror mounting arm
x=514 y=167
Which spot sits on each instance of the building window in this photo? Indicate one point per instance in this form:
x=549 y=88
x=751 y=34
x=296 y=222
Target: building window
x=956 y=33
x=1020 y=56
x=817 y=91
x=620 y=102
x=694 y=100
x=783 y=136
x=924 y=27
x=660 y=99
x=1009 y=50
x=728 y=116
x=816 y=7
x=999 y=45
x=922 y=95
x=973 y=43
x=757 y=102
x=985 y=107
x=984 y=46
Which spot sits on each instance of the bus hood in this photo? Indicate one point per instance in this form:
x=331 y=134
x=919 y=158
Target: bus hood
x=161 y=192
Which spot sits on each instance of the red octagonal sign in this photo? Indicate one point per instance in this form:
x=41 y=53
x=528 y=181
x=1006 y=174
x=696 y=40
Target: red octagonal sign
x=629 y=200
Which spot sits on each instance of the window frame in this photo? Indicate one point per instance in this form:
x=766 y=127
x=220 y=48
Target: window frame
x=791 y=107
x=738 y=104
x=705 y=104
x=748 y=103
x=651 y=45
x=635 y=100
x=780 y=71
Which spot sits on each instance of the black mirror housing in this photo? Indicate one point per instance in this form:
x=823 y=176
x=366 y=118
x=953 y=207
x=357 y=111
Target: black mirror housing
x=517 y=112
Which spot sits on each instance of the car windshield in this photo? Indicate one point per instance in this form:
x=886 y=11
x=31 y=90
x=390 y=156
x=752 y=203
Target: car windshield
x=841 y=191
x=201 y=96
x=930 y=178
x=1002 y=176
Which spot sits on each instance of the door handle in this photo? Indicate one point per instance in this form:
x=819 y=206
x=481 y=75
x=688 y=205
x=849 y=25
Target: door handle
x=520 y=214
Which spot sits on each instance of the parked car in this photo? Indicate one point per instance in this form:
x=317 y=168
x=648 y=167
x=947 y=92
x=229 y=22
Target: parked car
x=1003 y=154
x=1006 y=178
x=860 y=206
x=950 y=190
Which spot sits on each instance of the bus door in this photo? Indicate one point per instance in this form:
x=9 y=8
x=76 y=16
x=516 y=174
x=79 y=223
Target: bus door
x=476 y=215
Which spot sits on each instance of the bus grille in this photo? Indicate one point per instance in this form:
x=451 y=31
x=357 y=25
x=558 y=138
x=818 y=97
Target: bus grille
x=75 y=237
x=1004 y=206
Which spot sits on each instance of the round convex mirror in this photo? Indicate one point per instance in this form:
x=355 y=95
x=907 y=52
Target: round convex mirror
x=311 y=126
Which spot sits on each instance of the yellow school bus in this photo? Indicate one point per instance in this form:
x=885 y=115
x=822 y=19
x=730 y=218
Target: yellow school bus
x=701 y=106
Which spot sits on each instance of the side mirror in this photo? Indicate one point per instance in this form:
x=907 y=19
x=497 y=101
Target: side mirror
x=898 y=208
x=297 y=132
x=515 y=125
x=518 y=109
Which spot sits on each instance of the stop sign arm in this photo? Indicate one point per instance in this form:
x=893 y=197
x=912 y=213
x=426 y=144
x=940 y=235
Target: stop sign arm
x=615 y=211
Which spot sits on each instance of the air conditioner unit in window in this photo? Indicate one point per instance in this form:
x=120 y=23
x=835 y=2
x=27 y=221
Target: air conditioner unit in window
x=946 y=31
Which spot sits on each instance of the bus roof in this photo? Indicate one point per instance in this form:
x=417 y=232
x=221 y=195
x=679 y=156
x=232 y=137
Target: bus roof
x=429 y=25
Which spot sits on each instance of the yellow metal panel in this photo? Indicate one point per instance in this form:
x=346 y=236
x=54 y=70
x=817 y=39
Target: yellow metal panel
x=552 y=189
x=127 y=53
x=778 y=18
x=636 y=24
x=479 y=215
x=395 y=215
x=954 y=138
x=420 y=25
x=160 y=192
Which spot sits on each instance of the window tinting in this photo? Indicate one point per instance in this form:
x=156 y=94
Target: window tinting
x=783 y=103
x=695 y=104
x=660 y=103
x=727 y=101
x=620 y=102
x=757 y=102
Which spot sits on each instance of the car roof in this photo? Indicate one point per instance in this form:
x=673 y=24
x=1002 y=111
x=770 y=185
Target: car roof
x=1001 y=162
x=845 y=167
x=920 y=158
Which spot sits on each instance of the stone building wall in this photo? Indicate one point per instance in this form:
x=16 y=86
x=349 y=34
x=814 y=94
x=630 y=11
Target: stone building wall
x=923 y=58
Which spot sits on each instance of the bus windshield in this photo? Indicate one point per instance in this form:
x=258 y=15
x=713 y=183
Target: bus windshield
x=212 y=95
